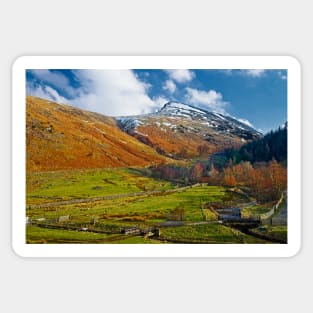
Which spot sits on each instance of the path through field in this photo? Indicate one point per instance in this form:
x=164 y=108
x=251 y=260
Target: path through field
x=118 y=196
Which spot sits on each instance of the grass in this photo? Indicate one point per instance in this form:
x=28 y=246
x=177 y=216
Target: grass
x=279 y=233
x=278 y=230
x=39 y=235
x=207 y=233
x=140 y=209
x=257 y=210
x=66 y=185
x=36 y=234
x=114 y=214
x=136 y=240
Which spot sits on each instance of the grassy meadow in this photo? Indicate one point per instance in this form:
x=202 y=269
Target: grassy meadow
x=125 y=198
x=73 y=184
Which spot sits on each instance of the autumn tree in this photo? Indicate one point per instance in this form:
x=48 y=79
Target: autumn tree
x=229 y=180
x=197 y=171
x=278 y=175
x=214 y=175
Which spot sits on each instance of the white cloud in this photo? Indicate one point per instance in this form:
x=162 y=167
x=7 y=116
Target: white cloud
x=56 y=79
x=113 y=92
x=45 y=92
x=170 y=86
x=245 y=121
x=253 y=73
x=160 y=101
x=180 y=76
x=110 y=92
x=209 y=100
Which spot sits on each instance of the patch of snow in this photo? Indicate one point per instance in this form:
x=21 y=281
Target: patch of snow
x=176 y=105
x=128 y=122
x=166 y=124
x=219 y=115
x=245 y=121
x=182 y=114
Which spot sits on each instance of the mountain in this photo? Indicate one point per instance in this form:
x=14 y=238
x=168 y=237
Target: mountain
x=63 y=137
x=182 y=131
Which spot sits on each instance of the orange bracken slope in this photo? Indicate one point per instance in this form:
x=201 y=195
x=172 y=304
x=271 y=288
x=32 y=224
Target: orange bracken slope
x=63 y=137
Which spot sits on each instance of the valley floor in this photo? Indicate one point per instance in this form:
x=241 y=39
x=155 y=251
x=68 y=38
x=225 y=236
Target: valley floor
x=125 y=206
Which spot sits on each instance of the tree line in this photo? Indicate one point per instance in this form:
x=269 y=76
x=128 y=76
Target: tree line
x=272 y=146
x=259 y=166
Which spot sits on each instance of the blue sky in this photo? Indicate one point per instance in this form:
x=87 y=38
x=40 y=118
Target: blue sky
x=257 y=97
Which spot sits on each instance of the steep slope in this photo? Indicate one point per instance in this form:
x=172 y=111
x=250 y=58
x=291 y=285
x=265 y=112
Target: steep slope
x=182 y=131
x=64 y=137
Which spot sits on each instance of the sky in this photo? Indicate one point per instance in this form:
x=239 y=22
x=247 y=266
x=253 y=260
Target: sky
x=257 y=97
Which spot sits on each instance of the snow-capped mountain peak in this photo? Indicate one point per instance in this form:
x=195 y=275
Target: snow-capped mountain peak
x=214 y=119
x=177 y=109
x=179 y=130
x=173 y=106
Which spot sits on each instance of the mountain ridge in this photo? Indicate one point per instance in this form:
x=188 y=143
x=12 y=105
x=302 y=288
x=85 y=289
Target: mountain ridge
x=64 y=137
x=179 y=130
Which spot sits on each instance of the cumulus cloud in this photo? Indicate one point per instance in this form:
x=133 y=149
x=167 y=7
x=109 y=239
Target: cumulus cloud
x=111 y=92
x=181 y=76
x=54 y=79
x=209 y=100
x=45 y=92
x=170 y=86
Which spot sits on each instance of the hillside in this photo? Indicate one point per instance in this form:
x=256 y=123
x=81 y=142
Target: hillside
x=64 y=137
x=273 y=146
x=182 y=131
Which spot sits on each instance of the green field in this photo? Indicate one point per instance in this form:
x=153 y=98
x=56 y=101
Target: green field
x=66 y=185
x=257 y=210
x=107 y=218
x=36 y=234
x=207 y=233
x=41 y=235
x=147 y=209
x=279 y=233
